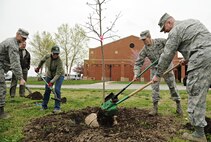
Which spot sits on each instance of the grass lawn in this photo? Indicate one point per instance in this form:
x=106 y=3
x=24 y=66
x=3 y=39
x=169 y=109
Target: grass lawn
x=34 y=81
x=23 y=109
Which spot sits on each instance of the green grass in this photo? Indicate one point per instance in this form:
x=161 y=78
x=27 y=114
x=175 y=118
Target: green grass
x=23 y=109
x=34 y=81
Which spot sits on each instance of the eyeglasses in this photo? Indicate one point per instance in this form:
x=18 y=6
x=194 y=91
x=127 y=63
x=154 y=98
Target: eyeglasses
x=55 y=53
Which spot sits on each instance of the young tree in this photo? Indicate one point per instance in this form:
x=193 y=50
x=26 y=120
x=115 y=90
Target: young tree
x=41 y=44
x=73 y=42
x=95 y=25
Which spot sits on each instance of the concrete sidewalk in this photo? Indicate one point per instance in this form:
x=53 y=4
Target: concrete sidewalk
x=108 y=85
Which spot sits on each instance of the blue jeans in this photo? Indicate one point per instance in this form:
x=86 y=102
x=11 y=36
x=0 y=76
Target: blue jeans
x=47 y=93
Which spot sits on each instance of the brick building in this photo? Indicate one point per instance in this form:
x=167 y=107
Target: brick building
x=119 y=59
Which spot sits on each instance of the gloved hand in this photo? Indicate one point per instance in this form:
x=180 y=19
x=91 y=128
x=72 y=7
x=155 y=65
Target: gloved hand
x=37 y=70
x=135 y=77
x=50 y=84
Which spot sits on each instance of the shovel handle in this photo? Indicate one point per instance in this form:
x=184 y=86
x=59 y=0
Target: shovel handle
x=138 y=90
x=27 y=88
x=171 y=69
x=149 y=83
x=155 y=62
x=55 y=95
x=133 y=93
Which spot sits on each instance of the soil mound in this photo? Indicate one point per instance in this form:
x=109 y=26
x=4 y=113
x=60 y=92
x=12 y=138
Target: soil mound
x=35 y=96
x=134 y=125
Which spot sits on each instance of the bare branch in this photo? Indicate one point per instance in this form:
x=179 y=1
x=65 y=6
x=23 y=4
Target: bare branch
x=113 y=24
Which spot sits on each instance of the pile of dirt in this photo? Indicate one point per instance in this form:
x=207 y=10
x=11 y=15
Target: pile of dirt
x=35 y=96
x=133 y=125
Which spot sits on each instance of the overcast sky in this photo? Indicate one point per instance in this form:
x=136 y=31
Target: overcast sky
x=136 y=15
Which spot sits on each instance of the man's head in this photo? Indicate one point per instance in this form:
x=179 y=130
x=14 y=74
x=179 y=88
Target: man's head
x=55 y=50
x=163 y=20
x=145 y=34
x=22 y=45
x=146 y=37
x=22 y=35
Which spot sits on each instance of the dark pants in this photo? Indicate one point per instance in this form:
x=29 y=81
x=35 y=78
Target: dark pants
x=14 y=82
x=47 y=93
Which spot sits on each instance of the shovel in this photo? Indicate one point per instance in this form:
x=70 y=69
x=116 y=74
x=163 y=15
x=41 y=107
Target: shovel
x=33 y=95
x=114 y=98
x=28 y=89
x=55 y=95
x=109 y=108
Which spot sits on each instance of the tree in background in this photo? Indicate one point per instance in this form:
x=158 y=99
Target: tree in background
x=73 y=42
x=79 y=69
x=41 y=44
x=95 y=25
x=63 y=39
x=79 y=43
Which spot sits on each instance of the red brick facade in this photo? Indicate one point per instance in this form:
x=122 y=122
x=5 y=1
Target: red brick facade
x=119 y=59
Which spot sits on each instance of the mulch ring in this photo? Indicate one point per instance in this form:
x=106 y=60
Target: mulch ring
x=133 y=125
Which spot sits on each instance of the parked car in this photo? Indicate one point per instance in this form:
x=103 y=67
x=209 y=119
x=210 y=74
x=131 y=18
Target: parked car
x=8 y=76
x=73 y=77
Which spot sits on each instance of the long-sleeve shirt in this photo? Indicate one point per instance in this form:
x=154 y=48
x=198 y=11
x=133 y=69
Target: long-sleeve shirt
x=55 y=67
x=192 y=39
x=9 y=57
x=153 y=52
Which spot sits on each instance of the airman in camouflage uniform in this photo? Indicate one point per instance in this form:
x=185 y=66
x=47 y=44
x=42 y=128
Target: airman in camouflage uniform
x=10 y=59
x=193 y=40
x=55 y=74
x=153 y=49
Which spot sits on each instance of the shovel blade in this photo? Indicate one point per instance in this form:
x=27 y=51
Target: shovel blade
x=112 y=97
x=109 y=96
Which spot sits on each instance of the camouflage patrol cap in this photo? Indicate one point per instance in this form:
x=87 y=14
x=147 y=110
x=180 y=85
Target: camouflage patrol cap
x=162 y=21
x=144 y=34
x=23 y=33
x=55 y=49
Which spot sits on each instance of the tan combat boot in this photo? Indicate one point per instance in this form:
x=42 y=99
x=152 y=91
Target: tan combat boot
x=154 y=110
x=197 y=136
x=179 y=108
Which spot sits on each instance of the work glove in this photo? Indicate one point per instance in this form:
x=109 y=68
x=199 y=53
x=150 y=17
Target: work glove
x=37 y=70
x=50 y=84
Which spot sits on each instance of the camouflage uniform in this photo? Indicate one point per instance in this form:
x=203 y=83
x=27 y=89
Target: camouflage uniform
x=192 y=39
x=9 y=59
x=153 y=52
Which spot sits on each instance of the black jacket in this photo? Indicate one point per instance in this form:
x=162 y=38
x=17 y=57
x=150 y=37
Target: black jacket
x=26 y=60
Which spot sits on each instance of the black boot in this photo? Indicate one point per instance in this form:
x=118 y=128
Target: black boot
x=1 y=110
x=3 y=115
x=179 y=108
